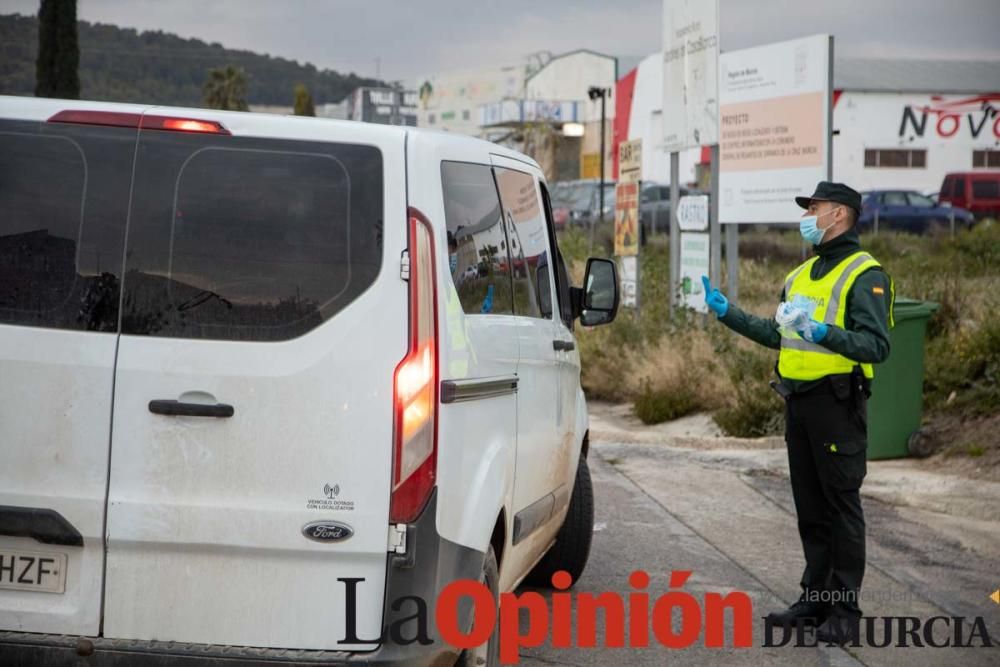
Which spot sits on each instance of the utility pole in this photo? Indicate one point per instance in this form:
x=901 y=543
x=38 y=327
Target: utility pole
x=593 y=93
x=601 y=192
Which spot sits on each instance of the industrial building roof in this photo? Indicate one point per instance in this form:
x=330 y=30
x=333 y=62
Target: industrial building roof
x=912 y=76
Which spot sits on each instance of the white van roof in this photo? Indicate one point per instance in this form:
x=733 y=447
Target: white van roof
x=245 y=123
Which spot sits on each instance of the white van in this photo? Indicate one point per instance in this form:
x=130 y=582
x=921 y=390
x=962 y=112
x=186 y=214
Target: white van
x=262 y=378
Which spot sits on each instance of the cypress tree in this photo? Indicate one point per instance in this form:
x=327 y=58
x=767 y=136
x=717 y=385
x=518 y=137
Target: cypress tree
x=57 y=68
x=303 y=104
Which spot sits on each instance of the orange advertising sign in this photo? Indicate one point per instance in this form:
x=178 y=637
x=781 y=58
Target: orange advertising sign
x=627 y=219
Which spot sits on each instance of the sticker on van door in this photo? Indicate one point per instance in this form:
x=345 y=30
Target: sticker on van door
x=332 y=501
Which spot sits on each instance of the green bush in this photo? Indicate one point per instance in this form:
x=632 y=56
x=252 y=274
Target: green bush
x=755 y=410
x=979 y=248
x=968 y=365
x=574 y=245
x=673 y=400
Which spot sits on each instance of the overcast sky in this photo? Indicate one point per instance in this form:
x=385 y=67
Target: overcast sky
x=413 y=38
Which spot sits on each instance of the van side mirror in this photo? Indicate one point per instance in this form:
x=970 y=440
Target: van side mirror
x=597 y=301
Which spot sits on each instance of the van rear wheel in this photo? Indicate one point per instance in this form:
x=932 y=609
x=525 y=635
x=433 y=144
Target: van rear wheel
x=488 y=654
x=572 y=547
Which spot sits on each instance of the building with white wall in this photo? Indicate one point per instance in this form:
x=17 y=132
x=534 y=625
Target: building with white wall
x=569 y=76
x=905 y=124
x=542 y=94
x=450 y=101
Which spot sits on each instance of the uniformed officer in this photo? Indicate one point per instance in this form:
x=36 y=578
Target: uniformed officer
x=825 y=370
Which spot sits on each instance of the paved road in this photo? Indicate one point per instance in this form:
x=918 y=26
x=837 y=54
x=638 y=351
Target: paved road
x=730 y=519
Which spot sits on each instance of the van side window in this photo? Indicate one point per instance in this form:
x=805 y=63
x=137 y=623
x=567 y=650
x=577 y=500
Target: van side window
x=522 y=210
x=565 y=307
x=63 y=206
x=477 y=243
x=959 y=188
x=235 y=238
x=985 y=189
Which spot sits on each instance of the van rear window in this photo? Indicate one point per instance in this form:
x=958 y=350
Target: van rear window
x=249 y=239
x=63 y=205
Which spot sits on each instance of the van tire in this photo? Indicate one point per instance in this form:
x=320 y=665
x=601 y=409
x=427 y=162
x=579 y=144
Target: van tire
x=488 y=655
x=572 y=546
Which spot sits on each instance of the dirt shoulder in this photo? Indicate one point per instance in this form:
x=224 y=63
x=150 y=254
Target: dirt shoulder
x=964 y=446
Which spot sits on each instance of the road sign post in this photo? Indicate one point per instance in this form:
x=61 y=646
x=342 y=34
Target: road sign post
x=692 y=219
x=627 y=223
x=690 y=99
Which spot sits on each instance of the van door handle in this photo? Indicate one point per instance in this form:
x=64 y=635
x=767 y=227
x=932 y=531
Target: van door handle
x=563 y=345
x=179 y=409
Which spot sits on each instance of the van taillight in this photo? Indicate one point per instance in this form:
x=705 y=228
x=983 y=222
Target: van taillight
x=415 y=387
x=182 y=125
x=146 y=122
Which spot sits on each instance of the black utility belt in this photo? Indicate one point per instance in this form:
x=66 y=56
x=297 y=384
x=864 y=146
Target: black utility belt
x=842 y=386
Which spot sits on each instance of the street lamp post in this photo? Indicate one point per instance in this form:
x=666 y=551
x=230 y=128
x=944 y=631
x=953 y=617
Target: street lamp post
x=593 y=93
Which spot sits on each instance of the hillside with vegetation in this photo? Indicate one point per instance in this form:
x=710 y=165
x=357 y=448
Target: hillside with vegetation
x=125 y=65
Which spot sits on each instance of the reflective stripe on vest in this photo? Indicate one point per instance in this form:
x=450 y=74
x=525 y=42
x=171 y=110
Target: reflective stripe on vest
x=801 y=360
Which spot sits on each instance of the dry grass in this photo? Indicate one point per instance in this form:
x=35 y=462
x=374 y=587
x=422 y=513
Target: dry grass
x=668 y=364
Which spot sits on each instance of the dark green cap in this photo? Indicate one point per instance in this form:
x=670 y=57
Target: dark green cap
x=835 y=192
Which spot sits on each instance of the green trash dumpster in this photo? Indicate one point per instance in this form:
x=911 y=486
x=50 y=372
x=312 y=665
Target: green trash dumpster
x=896 y=405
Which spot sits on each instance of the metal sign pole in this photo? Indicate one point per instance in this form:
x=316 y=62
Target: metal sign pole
x=829 y=113
x=714 y=232
x=733 y=262
x=675 y=236
x=638 y=251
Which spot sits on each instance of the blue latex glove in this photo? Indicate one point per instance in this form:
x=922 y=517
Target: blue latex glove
x=714 y=299
x=488 y=301
x=815 y=332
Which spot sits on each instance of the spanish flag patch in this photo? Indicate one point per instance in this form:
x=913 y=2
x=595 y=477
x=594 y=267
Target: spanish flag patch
x=878 y=290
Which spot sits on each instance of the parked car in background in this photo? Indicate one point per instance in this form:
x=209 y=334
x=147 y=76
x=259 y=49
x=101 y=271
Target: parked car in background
x=908 y=211
x=975 y=191
x=578 y=202
x=654 y=208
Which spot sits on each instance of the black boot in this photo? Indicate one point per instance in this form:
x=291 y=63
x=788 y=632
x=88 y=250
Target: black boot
x=804 y=612
x=839 y=629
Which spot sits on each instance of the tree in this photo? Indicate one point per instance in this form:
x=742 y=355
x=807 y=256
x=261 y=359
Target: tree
x=303 y=101
x=57 y=67
x=226 y=89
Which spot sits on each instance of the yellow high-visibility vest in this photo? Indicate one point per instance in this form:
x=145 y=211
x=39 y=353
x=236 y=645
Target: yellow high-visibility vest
x=801 y=360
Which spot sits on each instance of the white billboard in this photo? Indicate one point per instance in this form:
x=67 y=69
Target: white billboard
x=774 y=122
x=690 y=68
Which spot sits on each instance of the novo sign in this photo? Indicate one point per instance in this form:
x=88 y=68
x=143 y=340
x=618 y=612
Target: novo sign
x=978 y=115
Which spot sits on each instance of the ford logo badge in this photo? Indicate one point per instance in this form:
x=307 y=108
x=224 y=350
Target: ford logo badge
x=327 y=531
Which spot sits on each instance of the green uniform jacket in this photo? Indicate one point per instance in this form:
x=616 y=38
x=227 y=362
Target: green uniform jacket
x=864 y=339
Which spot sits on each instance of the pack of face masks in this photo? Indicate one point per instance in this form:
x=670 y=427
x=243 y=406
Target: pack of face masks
x=795 y=316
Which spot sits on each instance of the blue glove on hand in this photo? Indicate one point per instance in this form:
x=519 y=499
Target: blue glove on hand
x=714 y=299
x=814 y=332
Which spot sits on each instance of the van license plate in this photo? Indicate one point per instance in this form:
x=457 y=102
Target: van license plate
x=33 y=571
